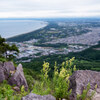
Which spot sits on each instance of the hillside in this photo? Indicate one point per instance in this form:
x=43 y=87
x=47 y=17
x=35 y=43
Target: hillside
x=54 y=74
x=87 y=59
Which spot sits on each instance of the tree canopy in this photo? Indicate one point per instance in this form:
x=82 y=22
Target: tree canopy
x=7 y=51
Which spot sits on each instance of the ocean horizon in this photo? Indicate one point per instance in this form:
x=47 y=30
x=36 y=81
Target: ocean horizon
x=11 y=28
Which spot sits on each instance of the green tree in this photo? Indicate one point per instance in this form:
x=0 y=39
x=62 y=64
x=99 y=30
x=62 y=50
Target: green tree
x=7 y=51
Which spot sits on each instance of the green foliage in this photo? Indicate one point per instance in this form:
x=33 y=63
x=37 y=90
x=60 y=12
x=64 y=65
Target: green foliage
x=22 y=91
x=58 y=85
x=5 y=48
x=3 y=59
x=43 y=87
x=88 y=59
x=57 y=45
x=61 y=82
x=30 y=72
x=84 y=95
x=90 y=54
x=30 y=81
x=20 y=94
x=7 y=92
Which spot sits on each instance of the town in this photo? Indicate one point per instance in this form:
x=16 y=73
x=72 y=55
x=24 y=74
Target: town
x=28 y=50
x=57 y=38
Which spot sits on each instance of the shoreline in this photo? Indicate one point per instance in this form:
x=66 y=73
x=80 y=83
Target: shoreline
x=32 y=28
x=27 y=32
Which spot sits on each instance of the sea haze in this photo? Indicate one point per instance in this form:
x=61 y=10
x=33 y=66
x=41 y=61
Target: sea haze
x=10 y=28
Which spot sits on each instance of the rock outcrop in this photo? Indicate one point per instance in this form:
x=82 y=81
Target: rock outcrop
x=18 y=78
x=81 y=78
x=78 y=81
x=2 y=76
x=14 y=76
x=7 y=68
x=32 y=96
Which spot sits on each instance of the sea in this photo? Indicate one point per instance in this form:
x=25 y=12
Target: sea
x=11 y=28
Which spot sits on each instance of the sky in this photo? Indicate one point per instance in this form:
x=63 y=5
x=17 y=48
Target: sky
x=49 y=8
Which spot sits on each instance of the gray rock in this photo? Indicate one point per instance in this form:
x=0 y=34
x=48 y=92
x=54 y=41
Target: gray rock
x=18 y=78
x=2 y=76
x=14 y=76
x=96 y=97
x=81 y=78
x=32 y=96
x=8 y=67
x=16 y=89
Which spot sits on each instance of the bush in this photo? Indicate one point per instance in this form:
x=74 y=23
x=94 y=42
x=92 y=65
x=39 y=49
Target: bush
x=30 y=82
x=58 y=86
x=84 y=95
x=2 y=59
x=7 y=92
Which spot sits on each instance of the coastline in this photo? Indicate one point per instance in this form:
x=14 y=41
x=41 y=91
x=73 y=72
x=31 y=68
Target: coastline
x=27 y=32
x=31 y=28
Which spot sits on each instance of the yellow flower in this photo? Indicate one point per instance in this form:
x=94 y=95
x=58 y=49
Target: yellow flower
x=74 y=69
x=67 y=77
x=55 y=69
x=45 y=69
x=63 y=72
x=67 y=63
x=56 y=73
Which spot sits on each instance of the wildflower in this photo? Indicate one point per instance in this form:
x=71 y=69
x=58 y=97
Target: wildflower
x=55 y=69
x=63 y=72
x=45 y=69
x=74 y=69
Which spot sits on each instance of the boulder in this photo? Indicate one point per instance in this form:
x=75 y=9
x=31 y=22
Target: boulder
x=18 y=78
x=14 y=76
x=80 y=79
x=8 y=67
x=32 y=96
x=2 y=76
x=96 y=97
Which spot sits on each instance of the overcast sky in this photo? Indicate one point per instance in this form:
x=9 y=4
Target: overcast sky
x=49 y=8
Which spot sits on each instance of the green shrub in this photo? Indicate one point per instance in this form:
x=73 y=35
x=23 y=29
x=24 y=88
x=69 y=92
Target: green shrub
x=2 y=59
x=6 y=91
x=58 y=86
x=30 y=81
x=35 y=75
x=84 y=95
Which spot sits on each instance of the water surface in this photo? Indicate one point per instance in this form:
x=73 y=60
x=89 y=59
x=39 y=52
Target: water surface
x=10 y=28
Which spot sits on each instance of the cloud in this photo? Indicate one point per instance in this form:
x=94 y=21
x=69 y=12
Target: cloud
x=49 y=8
